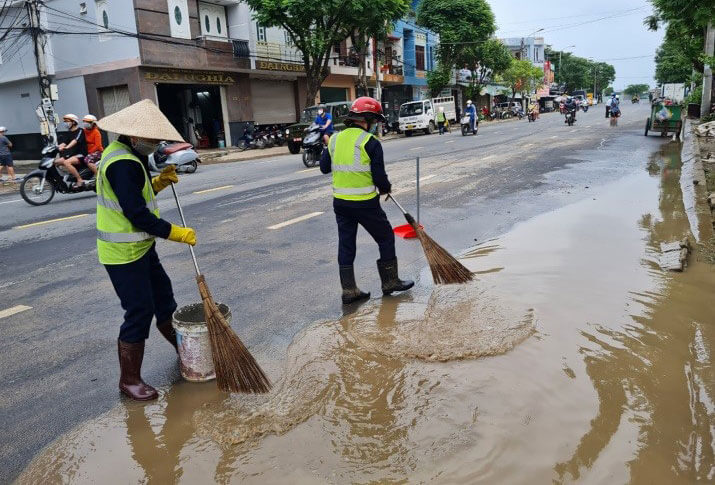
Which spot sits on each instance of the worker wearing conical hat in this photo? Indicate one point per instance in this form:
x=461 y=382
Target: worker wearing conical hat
x=127 y=224
x=354 y=156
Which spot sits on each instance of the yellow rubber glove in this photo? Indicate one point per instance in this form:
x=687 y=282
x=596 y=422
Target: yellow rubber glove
x=182 y=234
x=166 y=177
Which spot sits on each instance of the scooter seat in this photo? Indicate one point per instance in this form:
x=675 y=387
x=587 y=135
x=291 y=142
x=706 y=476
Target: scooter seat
x=175 y=147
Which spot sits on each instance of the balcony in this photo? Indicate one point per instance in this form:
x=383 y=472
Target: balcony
x=277 y=52
x=349 y=65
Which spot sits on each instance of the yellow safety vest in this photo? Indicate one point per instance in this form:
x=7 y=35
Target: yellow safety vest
x=352 y=177
x=118 y=241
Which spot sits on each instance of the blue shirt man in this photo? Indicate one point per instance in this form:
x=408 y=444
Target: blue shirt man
x=325 y=120
x=471 y=111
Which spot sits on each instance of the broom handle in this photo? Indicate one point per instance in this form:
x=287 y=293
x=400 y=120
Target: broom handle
x=389 y=196
x=183 y=223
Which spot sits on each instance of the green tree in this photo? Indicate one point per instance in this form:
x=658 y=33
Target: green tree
x=580 y=73
x=634 y=89
x=522 y=77
x=484 y=61
x=608 y=91
x=678 y=55
x=375 y=20
x=438 y=79
x=465 y=28
x=315 y=26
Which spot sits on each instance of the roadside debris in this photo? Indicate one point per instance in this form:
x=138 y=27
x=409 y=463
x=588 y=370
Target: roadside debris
x=674 y=255
x=705 y=129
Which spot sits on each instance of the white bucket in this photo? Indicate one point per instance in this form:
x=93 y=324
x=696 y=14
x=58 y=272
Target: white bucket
x=192 y=338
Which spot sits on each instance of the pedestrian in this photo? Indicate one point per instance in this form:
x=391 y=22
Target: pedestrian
x=441 y=119
x=127 y=224
x=94 y=142
x=6 y=156
x=355 y=158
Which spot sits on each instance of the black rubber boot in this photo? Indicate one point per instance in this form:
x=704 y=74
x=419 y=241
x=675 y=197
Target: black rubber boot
x=351 y=293
x=390 y=281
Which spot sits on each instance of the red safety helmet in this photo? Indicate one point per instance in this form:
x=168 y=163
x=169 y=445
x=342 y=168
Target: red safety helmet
x=366 y=108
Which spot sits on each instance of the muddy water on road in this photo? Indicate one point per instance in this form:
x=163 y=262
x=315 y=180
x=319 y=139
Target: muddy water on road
x=572 y=358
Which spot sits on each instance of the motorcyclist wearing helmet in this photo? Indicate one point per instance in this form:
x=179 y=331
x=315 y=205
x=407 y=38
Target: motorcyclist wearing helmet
x=571 y=106
x=355 y=158
x=94 y=142
x=609 y=104
x=74 y=149
x=325 y=120
x=471 y=111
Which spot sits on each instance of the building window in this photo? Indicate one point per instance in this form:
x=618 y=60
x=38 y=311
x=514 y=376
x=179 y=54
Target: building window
x=288 y=40
x=260 y=33
x=212 y=17
x=102 y=8
x=218 y=25
x=178 y=19
x=207 y=24
x=420 y=57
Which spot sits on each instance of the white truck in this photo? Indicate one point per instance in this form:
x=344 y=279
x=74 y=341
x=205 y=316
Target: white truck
x=421 y=115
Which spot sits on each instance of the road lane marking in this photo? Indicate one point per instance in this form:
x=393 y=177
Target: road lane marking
x=488 y=157
x=573 y=131
x=450 y=141
x=296 y=220
x=11 y=201
x=428 y=177
x=417 y=148
x=13 y=310
x=205 y=191
x=307 y=169
x=554 y=136
x=50 y=221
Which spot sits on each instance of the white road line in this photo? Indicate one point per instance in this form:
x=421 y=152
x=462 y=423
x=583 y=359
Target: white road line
x=307 y=170
x=488 y=157
x=205 y=191
x=13 y=310
x=450 y=141
x=25 y=226
x=11 y=201
x=573 y=131
x=416 y=148
x=296 y=220
x=422 y=179
x=554 y=136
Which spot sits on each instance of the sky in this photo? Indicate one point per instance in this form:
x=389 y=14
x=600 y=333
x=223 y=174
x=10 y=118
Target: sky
x=620 y=35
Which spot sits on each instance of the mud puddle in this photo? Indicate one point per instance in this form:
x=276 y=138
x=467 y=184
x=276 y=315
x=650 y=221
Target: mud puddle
x=572 y=358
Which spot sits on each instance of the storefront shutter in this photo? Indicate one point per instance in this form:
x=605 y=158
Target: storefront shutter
x=273 y=101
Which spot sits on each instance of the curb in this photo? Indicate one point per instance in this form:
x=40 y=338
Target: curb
x=704 y=167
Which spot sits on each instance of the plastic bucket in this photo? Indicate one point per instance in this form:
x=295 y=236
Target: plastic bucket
x=192 y=338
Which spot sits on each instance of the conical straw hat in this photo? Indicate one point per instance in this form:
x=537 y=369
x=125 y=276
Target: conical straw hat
x=141 y=120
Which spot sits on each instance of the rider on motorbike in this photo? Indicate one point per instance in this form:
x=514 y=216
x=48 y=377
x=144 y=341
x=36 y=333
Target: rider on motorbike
x=571 y=107
x=325 y=120
x=534 y=109
x=471 y=111
x=94 y=142
x=72 y=153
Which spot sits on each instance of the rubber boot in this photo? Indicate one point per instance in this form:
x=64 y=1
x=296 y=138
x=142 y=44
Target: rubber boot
x=130 y=364
x=167 y=330
x=351 y=293
x=390 y=281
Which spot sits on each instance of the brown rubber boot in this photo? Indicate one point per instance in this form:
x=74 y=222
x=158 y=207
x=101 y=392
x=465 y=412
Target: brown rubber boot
x=167 y=330
x=130 y=364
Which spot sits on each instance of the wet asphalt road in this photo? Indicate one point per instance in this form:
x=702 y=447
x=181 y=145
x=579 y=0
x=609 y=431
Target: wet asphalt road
x=58 y=359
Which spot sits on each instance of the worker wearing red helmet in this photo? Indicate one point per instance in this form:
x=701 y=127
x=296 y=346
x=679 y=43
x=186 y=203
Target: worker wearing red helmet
x=354 y=156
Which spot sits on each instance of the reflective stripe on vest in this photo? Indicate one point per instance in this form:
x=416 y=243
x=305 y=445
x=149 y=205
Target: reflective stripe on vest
x=352 y=175
x=118 y=241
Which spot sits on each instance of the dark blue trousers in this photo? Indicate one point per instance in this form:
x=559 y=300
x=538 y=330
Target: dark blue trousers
x=375 y=222
x=144 y=289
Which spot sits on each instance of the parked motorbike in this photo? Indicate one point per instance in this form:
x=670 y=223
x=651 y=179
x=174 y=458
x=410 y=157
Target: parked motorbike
x=312 y=145
x=466 y=123
x=279 y=136
x=584 y=106
x=247 y=141
x=39 y=186
x=518 y=112
x=180 y=154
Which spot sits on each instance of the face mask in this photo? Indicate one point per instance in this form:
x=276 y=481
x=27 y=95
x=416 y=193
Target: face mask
x=144 y=147
x=88 y=126
x=320 y=112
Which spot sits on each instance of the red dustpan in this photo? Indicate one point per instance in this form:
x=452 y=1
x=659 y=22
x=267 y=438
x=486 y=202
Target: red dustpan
x=405 y=231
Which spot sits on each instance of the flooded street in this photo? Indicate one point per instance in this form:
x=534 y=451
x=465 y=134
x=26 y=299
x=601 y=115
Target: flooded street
x=572 y=357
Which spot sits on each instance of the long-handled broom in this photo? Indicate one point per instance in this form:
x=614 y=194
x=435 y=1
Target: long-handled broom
x=236 y=369
x=446 y=269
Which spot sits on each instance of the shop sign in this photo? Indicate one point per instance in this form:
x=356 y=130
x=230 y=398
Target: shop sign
x=280 y=66
x=191 y=77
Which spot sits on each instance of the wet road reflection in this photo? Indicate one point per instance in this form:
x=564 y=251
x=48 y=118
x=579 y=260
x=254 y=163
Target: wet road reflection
x=573 y=358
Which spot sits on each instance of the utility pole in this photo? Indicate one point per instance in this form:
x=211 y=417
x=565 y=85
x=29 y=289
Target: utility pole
x=39 y=39
x=708 y=72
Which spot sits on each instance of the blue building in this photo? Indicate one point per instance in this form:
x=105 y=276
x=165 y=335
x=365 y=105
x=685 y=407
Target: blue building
x=410 y=53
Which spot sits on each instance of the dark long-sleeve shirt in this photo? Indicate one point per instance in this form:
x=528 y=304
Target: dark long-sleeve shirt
x=377 y=167
x=127 y=180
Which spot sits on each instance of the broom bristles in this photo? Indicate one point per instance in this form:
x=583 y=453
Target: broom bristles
x=236 y=369
x=446 y=269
